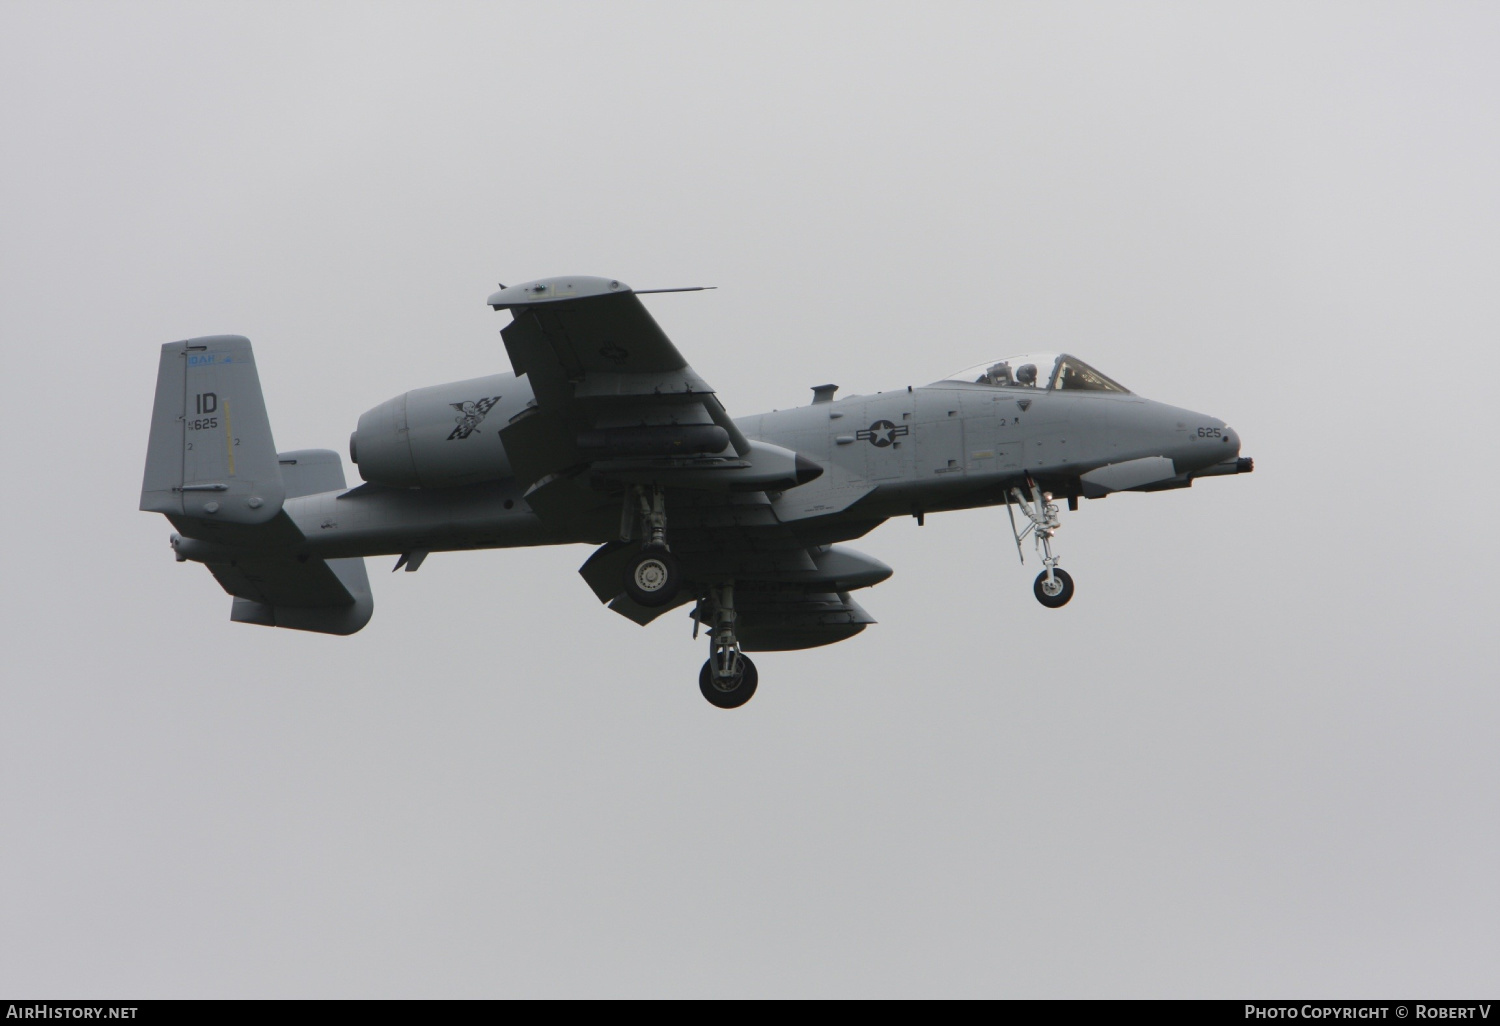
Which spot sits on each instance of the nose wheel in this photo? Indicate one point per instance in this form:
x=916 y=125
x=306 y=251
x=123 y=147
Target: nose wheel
x=1053 y=587
x=1054 y=590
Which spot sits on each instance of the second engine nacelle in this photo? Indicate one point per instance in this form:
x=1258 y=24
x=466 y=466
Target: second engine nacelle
x=440 y=436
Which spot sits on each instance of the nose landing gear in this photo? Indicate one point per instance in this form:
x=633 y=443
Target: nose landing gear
x=728 y=679
x=1053 y=587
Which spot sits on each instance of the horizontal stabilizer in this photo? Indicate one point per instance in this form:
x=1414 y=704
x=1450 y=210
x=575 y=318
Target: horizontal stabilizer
x=271 y=582
x=329 y=597
x=311 y=471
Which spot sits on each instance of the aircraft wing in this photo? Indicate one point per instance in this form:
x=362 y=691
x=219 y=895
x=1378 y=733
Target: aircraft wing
x=617 y=405
x=588 y=344
x=615 y=397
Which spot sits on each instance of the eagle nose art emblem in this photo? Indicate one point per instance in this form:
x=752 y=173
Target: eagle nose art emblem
x=469 y=416
x=882 y=433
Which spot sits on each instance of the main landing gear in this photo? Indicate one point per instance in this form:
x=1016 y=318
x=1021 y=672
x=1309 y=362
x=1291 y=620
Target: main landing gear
x=729 y=678
x=1053 y=587
x=654 y=577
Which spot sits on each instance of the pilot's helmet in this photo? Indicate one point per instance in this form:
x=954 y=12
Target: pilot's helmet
x=1026 y=374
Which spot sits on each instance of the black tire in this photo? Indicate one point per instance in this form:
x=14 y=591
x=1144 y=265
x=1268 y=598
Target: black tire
x=1061 y=598
x=653 y=578
x=737 y=693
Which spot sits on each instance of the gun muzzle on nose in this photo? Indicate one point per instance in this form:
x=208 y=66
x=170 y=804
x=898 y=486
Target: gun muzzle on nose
x=1242 y=464
x=1232 y=465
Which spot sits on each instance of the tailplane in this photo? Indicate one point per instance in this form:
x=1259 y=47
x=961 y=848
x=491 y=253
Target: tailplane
x=328 y=596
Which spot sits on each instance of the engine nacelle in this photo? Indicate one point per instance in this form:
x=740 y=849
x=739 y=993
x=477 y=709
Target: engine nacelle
x=440 y=436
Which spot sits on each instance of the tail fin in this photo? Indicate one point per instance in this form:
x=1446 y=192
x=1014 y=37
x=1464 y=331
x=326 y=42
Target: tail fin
x=212 y=468
x=211 y=456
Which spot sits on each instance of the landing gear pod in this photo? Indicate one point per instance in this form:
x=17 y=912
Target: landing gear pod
x=653 y=578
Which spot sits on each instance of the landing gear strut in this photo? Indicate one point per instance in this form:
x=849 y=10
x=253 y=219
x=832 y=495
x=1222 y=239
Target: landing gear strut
x=653 y=577
x=1053 y=587
x=728 y=679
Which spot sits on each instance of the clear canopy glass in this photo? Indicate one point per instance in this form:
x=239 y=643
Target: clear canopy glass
x=1040 y=370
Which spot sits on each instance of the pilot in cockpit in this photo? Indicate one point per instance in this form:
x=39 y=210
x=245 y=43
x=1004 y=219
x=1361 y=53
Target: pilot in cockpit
x=999 y=374
x=1040 y=371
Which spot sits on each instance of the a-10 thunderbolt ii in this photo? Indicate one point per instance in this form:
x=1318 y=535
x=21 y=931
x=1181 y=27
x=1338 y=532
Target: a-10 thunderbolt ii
x=605 y=435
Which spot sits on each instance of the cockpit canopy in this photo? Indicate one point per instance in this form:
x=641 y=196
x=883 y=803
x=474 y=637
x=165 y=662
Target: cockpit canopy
x=1040 y=370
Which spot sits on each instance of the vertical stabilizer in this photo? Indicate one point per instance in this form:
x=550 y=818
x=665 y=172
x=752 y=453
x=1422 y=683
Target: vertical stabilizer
x=211 y=455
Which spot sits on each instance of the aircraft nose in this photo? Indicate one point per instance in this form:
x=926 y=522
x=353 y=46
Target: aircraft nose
x=1199 y=441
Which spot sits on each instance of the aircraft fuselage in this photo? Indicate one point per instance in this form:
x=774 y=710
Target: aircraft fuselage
x=905 y=452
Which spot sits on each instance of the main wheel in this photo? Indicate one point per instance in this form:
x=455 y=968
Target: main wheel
x=653 y=578
x=1056 y=592
x=733 y=692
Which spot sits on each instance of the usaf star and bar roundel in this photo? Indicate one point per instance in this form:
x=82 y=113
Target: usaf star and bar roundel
x=882 y=433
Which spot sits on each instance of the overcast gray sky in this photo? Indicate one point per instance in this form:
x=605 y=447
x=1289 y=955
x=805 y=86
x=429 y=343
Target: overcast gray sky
x=1255 y=756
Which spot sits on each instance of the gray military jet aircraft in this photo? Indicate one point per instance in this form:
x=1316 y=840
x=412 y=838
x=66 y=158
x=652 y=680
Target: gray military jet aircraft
x=605 y=435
